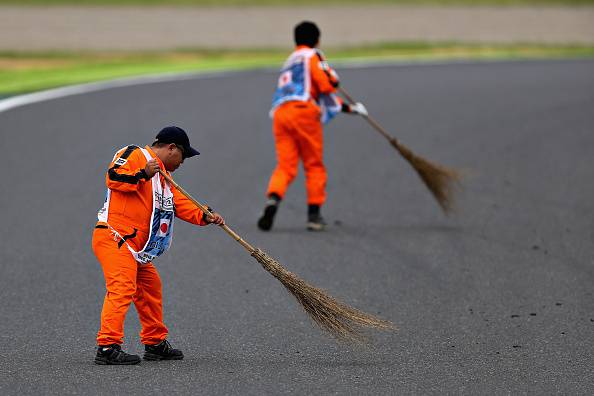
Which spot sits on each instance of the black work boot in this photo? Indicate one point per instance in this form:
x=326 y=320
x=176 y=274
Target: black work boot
x=162 y=351
x=113 y=354
x=315 y=221
x=265 y=222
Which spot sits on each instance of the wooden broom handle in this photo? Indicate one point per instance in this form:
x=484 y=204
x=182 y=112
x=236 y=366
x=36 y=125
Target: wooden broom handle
x=371 y=121
x=204 y=208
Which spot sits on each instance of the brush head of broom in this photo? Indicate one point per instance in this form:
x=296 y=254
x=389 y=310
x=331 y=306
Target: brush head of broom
x=340 y=320
x=441 y=181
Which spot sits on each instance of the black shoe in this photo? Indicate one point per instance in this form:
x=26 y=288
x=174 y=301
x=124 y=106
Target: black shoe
x=113 y=354
x=315 y=222
x=265 y=222
x=162 y=351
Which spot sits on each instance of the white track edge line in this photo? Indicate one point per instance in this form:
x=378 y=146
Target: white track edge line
x=79 y=89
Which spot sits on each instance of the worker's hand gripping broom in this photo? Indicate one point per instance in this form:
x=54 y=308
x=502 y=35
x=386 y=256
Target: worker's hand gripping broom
x=339 y=319
x=439 y=179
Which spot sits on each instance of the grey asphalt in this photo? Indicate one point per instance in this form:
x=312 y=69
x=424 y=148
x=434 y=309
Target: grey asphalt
x=496 y=299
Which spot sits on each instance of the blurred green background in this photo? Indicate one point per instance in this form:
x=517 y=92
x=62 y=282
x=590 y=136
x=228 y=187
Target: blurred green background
x=23 y=72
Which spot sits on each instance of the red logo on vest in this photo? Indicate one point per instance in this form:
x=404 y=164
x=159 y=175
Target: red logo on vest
x=163 y=227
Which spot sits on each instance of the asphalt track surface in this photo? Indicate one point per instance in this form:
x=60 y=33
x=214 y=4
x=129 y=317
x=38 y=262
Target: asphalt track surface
x=496 y=299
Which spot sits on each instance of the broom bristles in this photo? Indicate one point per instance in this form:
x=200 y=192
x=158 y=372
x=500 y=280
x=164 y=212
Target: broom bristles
x=441 y=181
x=337 y=318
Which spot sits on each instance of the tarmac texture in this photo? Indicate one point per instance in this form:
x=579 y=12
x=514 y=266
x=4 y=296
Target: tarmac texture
x=495 y=299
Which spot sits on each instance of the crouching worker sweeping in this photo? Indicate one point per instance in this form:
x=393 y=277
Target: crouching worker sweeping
x=135 y=226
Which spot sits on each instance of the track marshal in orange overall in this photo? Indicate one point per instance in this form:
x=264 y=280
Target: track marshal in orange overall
x=135 y=226
x=304 y=100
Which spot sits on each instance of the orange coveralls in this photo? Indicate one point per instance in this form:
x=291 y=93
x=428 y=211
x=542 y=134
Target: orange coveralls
x=298 y=133
x=126 y=280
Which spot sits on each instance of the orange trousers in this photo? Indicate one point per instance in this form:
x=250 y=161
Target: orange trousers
x=128 y=281
x=298 y=135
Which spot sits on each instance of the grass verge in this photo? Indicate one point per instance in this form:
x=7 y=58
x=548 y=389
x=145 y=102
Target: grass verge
x=28 y=72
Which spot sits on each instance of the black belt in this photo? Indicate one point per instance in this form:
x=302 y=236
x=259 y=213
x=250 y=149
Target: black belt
x=129 y=236
x=124 y=238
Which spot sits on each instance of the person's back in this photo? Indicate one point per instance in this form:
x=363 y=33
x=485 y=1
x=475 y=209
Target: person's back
x=304 y=99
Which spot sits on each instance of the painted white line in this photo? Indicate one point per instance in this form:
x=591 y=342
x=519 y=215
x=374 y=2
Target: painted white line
x=71 y=90
x=80 y=89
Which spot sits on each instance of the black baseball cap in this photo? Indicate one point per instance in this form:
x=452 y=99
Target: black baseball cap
x=176 y=135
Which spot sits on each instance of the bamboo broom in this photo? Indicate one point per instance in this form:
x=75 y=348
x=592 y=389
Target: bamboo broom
x=340 y=320
x=440 y=180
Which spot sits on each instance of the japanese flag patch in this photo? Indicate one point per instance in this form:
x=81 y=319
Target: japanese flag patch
x=163 y=227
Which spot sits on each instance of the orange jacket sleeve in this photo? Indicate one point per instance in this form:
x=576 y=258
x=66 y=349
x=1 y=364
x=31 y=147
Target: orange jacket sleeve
x=323 y=78
x=186 y=210
x=126 y=171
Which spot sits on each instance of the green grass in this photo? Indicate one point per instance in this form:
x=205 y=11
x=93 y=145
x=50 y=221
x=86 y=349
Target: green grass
x=21 y=73
x=291 y=2
x=28 y=72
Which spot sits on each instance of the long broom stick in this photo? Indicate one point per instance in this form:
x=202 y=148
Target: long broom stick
x=439 y=179
x=339 y=319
